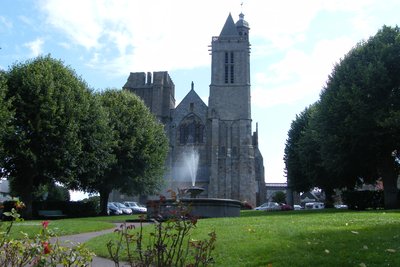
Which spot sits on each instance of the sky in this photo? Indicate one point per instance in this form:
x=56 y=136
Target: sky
x=294 y=47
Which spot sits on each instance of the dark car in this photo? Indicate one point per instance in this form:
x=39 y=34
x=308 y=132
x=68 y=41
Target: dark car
x=112 y=209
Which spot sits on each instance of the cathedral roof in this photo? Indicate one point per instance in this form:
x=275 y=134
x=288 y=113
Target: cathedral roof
x=229 y=28
x=191 y=97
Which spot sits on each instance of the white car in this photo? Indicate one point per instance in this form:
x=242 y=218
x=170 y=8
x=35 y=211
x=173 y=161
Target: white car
x=297 y=207
x=135 y=207
x=269 y=206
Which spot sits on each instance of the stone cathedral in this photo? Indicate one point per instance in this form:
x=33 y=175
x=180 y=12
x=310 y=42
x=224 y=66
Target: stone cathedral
x=230 y=163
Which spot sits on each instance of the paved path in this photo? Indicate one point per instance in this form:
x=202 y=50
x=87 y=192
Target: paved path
x=70 y=240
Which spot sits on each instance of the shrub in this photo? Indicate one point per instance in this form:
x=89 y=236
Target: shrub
x=39 y=250
x=168 y=245
x=361 y=200
x=8 y=205
x=72 y=209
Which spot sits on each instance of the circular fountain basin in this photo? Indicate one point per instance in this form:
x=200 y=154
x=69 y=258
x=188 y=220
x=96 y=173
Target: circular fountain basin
x=198 y=207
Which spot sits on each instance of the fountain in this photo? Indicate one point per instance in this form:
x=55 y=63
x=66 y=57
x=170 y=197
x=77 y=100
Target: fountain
x=188 y=196
x=191 y=159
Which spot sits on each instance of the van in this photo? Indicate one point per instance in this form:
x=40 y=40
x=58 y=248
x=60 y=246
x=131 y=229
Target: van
x=314 y=206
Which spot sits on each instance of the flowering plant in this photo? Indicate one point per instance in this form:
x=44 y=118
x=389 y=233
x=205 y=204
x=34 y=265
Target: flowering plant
x=169 y=243
x=41 y=250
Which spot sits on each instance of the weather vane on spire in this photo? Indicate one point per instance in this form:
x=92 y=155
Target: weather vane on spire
x=241 y=6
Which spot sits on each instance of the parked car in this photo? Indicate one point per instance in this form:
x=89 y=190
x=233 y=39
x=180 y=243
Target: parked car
x=135 y=207
x=285 y=206
x=297 y=207
x=314 y=206
x=269 y=206
x=341 y=206
x=113 y=210
x=125 y=209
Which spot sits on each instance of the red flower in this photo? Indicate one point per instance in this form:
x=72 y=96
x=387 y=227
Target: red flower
x=163 y=198
x=46 y=247
x=45 y=224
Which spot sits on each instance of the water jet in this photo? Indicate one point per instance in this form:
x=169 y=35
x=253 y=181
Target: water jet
x=189 y=196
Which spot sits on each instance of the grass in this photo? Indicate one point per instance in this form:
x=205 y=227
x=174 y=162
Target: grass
x=66 y=226
x=299 y=238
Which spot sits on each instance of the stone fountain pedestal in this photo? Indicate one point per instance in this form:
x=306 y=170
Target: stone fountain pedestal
x=198 y=207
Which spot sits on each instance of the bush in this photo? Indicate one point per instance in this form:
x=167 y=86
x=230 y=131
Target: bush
x=361 y=200
x=70 y=208
x=38 y=250
x=8 y=205
x=169 y=243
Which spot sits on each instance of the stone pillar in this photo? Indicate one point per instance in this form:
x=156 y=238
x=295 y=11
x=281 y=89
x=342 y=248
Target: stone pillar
x=213 y=185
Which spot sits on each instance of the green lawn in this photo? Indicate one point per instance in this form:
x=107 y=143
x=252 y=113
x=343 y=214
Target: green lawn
x=67 y=226
x=299 y=238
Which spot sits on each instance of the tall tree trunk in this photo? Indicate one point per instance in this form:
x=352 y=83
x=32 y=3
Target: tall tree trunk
x=389 y=176
x=26 y=191
x=329 y=197
x=103 y=201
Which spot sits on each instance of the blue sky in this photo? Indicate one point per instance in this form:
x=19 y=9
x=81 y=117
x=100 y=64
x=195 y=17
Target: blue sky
x=295 y=45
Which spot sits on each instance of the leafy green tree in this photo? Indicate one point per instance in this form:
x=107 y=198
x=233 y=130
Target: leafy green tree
x=97 y=138
x=279 y=197
x=50 y=102
x=140 y=147
x=297 y=178
x=6 y=116
x=359 y=115
x=304 y=165
x=51 y=192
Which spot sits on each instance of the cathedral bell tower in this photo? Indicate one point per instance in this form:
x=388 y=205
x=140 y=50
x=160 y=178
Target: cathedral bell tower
x=229 y=114
x=230 y=71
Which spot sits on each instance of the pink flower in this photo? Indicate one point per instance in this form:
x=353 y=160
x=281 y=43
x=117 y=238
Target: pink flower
x=45 y=224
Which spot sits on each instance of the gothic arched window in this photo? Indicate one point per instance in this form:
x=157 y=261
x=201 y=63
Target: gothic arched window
x=191 y=130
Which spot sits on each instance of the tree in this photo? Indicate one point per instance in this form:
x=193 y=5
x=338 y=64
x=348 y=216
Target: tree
x=279 y=197
x=50 y=102
x=140 y=147
x=297 y=178
x=51 y=192
x=304 y=165
x=360 y=113
x=98 y=141
x=6 y=116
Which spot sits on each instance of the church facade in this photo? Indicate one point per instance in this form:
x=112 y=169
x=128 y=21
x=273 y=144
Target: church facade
x=230 y=164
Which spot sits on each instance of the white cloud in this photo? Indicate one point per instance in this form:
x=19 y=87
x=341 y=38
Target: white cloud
x=5 y=23
x=157 y=35
x=170 y=35
x=35 y=47
x=26 y=20
x=298 y=75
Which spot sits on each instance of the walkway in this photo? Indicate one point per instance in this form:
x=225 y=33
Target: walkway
x=70 y=240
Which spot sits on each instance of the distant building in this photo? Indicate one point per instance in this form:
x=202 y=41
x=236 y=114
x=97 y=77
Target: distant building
x=272 y=188
x=230 y=162
x=4 y=190
x=311 y=196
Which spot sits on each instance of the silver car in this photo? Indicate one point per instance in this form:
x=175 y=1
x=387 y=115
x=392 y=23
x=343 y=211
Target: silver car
x=124 y=208
x=269 y=206
x=135 y=207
